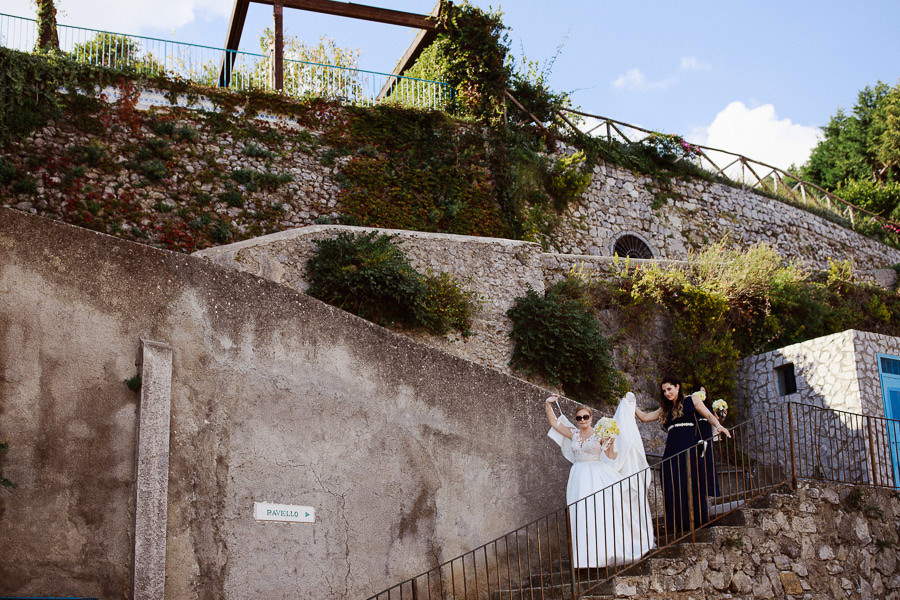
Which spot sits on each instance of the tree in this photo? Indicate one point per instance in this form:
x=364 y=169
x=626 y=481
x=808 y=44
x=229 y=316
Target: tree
x=115 y=52
x=48 y=38
x=886 y=129
x=862 y=146
x=324 y=69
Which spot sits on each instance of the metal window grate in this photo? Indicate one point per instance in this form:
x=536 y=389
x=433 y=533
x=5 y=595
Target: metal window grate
x=631 y=246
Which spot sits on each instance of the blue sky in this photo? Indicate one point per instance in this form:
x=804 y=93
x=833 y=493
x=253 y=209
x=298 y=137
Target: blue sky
x=753 y=77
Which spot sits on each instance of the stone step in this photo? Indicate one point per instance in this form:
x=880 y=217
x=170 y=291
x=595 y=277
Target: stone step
x=668 y=563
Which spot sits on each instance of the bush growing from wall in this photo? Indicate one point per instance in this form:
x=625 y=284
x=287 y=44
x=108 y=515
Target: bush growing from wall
x=369 y=275
x=558 y=338
x=725 y=304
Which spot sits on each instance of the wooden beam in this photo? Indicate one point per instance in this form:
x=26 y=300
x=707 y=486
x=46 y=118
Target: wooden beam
x=278 y=55
x=359 y=11
x=423 y=39
x=232 y=40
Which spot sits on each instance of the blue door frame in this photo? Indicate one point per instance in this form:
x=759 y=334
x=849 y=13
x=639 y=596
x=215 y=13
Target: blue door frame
x=889 y=370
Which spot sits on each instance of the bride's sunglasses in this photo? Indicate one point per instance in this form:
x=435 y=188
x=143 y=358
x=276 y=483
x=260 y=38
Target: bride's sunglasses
x=582 y=417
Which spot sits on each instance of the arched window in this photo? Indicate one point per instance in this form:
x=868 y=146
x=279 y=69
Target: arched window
x=632 y=246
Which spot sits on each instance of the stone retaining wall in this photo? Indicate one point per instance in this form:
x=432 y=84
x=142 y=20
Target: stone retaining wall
x=823 y=541
x=619 y=202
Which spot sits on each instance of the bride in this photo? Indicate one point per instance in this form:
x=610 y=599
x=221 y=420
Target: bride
x=609 y=516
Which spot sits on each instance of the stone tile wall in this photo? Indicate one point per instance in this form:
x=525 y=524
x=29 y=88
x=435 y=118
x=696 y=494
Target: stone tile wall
x=620 y=201
x=837 y=372
x=823 y=541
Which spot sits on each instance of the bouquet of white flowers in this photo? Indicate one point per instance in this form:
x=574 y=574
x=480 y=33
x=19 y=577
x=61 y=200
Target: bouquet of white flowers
x=720 y=405
x=701 y=396
x=607 y=427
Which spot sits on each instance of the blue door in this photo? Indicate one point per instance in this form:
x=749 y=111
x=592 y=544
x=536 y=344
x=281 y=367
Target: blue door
x=889 y=367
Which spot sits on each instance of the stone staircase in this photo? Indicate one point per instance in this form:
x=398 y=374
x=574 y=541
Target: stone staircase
x=680 y=571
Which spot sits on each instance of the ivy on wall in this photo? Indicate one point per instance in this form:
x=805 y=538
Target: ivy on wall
x=722 y=305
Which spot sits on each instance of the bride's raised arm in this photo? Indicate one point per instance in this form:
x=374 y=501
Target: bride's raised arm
x=551 y=417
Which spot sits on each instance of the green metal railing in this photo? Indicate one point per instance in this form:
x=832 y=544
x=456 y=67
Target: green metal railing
x=246 y=71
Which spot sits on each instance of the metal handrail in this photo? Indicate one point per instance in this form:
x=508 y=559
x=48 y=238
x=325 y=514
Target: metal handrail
x=249 y=71
x=770 y=451
x=775 y=180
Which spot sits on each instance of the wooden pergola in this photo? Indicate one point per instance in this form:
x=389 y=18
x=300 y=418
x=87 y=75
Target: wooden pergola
x=425 y=23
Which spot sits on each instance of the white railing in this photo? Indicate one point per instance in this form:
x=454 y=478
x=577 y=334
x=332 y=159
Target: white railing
x=246 y=71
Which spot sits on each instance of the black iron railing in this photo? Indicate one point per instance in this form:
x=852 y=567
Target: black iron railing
x=577 y=549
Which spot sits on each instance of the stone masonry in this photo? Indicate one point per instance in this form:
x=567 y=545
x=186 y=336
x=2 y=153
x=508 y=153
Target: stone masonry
x=822 y=541
x=697 y=212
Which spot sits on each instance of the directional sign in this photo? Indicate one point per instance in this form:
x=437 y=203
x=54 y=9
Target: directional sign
x=291 y=513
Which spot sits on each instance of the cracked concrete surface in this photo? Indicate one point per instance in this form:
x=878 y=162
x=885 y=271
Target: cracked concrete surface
x=410 y=456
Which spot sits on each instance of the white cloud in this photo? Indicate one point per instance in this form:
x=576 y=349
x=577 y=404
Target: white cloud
x=131 y=16
x=759 y=134
x=632 y=79
x=635 y=80
x=691 y=63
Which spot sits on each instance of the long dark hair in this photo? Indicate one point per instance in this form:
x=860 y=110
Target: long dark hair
x=667 y=408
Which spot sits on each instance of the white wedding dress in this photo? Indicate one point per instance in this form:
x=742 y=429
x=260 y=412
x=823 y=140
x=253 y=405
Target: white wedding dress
x=609 y=516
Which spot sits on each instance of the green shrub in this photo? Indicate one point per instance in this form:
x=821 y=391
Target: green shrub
x=447 y=305
x=558 y=338
x=368 y=275
x=568 y=180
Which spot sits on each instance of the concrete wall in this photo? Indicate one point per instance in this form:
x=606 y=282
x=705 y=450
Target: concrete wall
x=409 y=455
x=497 y=270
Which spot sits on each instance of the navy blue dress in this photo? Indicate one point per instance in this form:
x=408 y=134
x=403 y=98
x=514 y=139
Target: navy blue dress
x=681 y=443
x=709 y=460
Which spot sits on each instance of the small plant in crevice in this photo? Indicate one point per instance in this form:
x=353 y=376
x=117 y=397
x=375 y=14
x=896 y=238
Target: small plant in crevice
x=134 y=382
x=369 y=275
x=734 y=542
x=232 y=197
x=221 y=232
x=254 y=151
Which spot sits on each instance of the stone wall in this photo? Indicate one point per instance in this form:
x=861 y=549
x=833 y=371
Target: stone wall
x=275 y=397
x=620 y=202
x=837 y=372
x=198 y=170
x=823 y=541
x=497 y=270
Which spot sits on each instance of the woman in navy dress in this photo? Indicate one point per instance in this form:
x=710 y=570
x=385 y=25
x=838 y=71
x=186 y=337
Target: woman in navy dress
x=709 y=459
x=679 y=416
